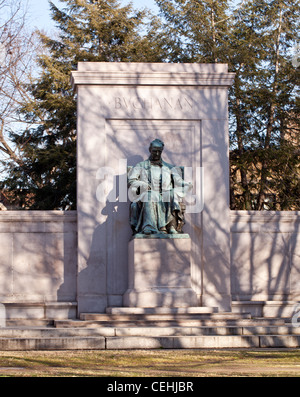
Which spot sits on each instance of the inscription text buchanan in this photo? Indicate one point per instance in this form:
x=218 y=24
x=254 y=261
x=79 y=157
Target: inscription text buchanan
x=153 y=103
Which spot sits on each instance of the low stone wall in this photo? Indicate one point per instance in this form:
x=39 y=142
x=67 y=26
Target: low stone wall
x=265 y=262
x=38 y=263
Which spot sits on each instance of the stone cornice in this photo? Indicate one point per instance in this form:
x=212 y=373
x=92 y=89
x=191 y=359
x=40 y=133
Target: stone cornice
x=127 y=74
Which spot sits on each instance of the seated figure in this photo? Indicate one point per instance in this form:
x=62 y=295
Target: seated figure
x=156 y=190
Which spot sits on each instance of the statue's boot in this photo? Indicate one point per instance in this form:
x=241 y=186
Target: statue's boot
x=147 y=230
x=163 y=230
x=172 y=230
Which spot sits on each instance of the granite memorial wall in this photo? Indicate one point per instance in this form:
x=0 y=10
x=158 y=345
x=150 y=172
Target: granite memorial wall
x=59 y=263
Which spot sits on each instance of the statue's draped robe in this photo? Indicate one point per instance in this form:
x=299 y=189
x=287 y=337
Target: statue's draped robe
x=156 y=189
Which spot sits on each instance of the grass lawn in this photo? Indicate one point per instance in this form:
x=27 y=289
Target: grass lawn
x=144 y=363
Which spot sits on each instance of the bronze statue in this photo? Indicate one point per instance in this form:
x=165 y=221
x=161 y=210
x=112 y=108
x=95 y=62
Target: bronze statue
x=157 y=190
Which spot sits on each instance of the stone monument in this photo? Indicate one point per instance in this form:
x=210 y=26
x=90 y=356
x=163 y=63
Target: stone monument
x=122 y=107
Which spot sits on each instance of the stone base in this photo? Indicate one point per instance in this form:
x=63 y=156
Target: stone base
x=159 y=273
x=38 y=310
x=160 y=297
x=161 y=310
x=267 y=309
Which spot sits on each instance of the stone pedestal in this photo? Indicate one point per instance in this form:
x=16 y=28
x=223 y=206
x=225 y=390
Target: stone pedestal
x=159 y=272
x=122 y=107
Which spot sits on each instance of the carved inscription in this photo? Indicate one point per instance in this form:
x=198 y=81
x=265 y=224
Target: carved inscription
x=153 y=103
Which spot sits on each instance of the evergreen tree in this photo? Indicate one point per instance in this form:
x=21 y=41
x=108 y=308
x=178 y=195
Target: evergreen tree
x=255 y=40
x=88 y=31
x=198 y=27
x=264 y=104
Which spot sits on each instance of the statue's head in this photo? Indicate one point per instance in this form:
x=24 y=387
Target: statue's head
x=157 y=143
x=156 y=147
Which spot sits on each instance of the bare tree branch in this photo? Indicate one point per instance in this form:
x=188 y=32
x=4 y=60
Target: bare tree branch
x=17 y=67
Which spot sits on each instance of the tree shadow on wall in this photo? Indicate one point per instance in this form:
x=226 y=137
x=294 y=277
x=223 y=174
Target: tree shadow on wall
x=104 y=279
x=265 y=262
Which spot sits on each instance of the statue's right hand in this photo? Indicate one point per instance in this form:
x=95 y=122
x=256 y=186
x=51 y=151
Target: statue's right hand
x=143 y=186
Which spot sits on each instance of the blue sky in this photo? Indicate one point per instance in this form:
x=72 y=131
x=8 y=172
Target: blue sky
x=39 y=14
x=39 y=11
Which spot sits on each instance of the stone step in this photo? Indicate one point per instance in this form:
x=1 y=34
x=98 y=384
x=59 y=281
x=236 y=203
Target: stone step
x=166 y=323
x=35 y=332
x=162 y=316
x=161 y=310
x=142 y=342
x=196 y=331
x=29 y=322
x=204 y=342
x=58 y=343
x=50 y=332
